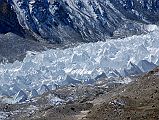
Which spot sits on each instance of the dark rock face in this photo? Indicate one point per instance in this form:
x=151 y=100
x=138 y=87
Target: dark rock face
x=14 y=47
x=73 y=21
x=139 y=10
x=8 y=19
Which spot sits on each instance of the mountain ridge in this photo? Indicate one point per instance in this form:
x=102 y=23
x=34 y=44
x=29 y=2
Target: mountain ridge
x=68 y=21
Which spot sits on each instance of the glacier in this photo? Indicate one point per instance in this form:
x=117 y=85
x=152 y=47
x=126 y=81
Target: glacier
x=41 y=72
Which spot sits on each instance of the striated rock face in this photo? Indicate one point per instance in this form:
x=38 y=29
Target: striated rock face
x=68 y=21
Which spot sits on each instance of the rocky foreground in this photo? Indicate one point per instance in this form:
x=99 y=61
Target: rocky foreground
x=99 y=101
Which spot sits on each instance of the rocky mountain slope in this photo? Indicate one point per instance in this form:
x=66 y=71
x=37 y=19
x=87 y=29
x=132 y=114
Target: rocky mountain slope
x=8 y=19
x=139 y=100
x=68 y=21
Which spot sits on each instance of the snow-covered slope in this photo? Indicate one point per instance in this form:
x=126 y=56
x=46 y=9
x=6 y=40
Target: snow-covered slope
x=41 y=72
x=67 y=21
